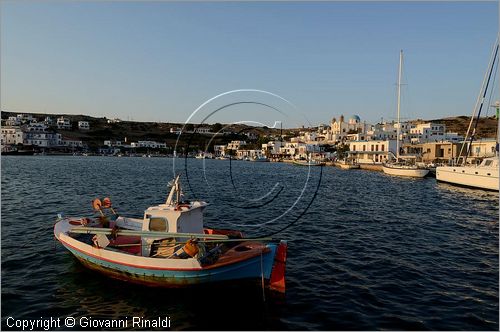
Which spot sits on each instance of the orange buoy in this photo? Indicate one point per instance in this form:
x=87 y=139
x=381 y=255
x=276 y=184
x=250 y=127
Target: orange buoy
x=191 y=248
x=96 y=204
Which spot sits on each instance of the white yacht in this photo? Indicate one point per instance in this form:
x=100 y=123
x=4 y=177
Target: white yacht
x=484 y=175
x=401 y=169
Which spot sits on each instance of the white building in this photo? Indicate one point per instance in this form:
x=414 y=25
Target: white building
x=428 y=132
x=272 y=147
x=483 y=148
x=83 y=125
x=220 y=150
x=13 y=121
x=306 y=137
x=203 y=130
x=453 y=137
x=383 y=131
x=11 y=136
x=304 y=150
x=44 y=139
x=290 y=149
x=241 y=154
x=26 y=118
x=35 y=127
x=112 y=143
x=371 y=152
x=235 y=145
x=63 y=123
x=72 y=143
x=175 y=130
x=149 y=144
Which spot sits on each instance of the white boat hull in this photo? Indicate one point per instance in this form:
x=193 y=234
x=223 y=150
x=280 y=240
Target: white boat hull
x=405 y=171
x=469 y=176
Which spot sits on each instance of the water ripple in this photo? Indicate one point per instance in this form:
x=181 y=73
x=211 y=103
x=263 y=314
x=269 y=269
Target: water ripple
x=372 y=252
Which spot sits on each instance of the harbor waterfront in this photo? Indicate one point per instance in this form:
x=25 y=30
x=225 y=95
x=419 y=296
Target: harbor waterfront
x=371 y=252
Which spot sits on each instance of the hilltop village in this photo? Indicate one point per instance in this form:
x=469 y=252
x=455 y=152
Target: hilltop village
x=343 y=138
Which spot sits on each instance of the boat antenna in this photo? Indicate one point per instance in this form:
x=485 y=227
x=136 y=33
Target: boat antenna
x=175 y=189
x=481 y=98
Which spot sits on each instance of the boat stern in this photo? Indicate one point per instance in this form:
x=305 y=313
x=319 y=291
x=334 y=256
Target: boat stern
x=277 y=280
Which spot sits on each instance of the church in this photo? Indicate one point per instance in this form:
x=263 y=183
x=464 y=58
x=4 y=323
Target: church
x=338 y=130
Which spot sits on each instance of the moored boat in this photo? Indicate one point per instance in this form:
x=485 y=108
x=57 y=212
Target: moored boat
x=397 y=167
x=260 y=159
x=401 y=169
x=347 y=165
x=484 y=175
x=309 y=163
x=170 y=247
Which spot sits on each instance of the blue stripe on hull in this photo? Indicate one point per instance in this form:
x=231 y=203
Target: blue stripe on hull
x=247 y=269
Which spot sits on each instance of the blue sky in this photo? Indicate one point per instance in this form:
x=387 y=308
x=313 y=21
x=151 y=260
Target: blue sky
x=158 y=61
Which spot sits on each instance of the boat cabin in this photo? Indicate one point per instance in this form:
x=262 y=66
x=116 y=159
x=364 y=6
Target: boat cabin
x=180 y=218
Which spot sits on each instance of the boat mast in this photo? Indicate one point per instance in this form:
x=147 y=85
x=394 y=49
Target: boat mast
x=497 y=107
x=398 y=130
x=481 y=98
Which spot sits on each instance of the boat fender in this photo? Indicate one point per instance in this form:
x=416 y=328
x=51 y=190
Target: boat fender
x=277 y=281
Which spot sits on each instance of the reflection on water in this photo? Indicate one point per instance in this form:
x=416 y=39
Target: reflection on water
x=372 y=251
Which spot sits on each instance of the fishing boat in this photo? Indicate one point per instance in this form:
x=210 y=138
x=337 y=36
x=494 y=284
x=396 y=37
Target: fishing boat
x=485 y=174
x=308 y=163
x=399 y=167
x=201 y=156
x=261 y=159
x=169 y=246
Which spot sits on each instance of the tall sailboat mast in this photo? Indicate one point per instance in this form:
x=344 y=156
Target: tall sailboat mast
x=398 y=130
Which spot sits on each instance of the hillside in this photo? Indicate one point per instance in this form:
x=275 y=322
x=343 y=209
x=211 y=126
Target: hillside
x=131 y=131
x=152 y=131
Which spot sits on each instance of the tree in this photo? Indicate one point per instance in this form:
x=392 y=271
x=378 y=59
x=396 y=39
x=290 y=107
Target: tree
x=342 y=150
x=216 y=127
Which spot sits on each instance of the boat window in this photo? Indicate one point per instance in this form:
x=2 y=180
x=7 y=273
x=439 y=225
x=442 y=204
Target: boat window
x=158 y=224
x=488 y=162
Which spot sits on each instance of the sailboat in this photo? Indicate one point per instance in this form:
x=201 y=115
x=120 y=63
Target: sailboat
x=397 y=167
x=484 y=175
